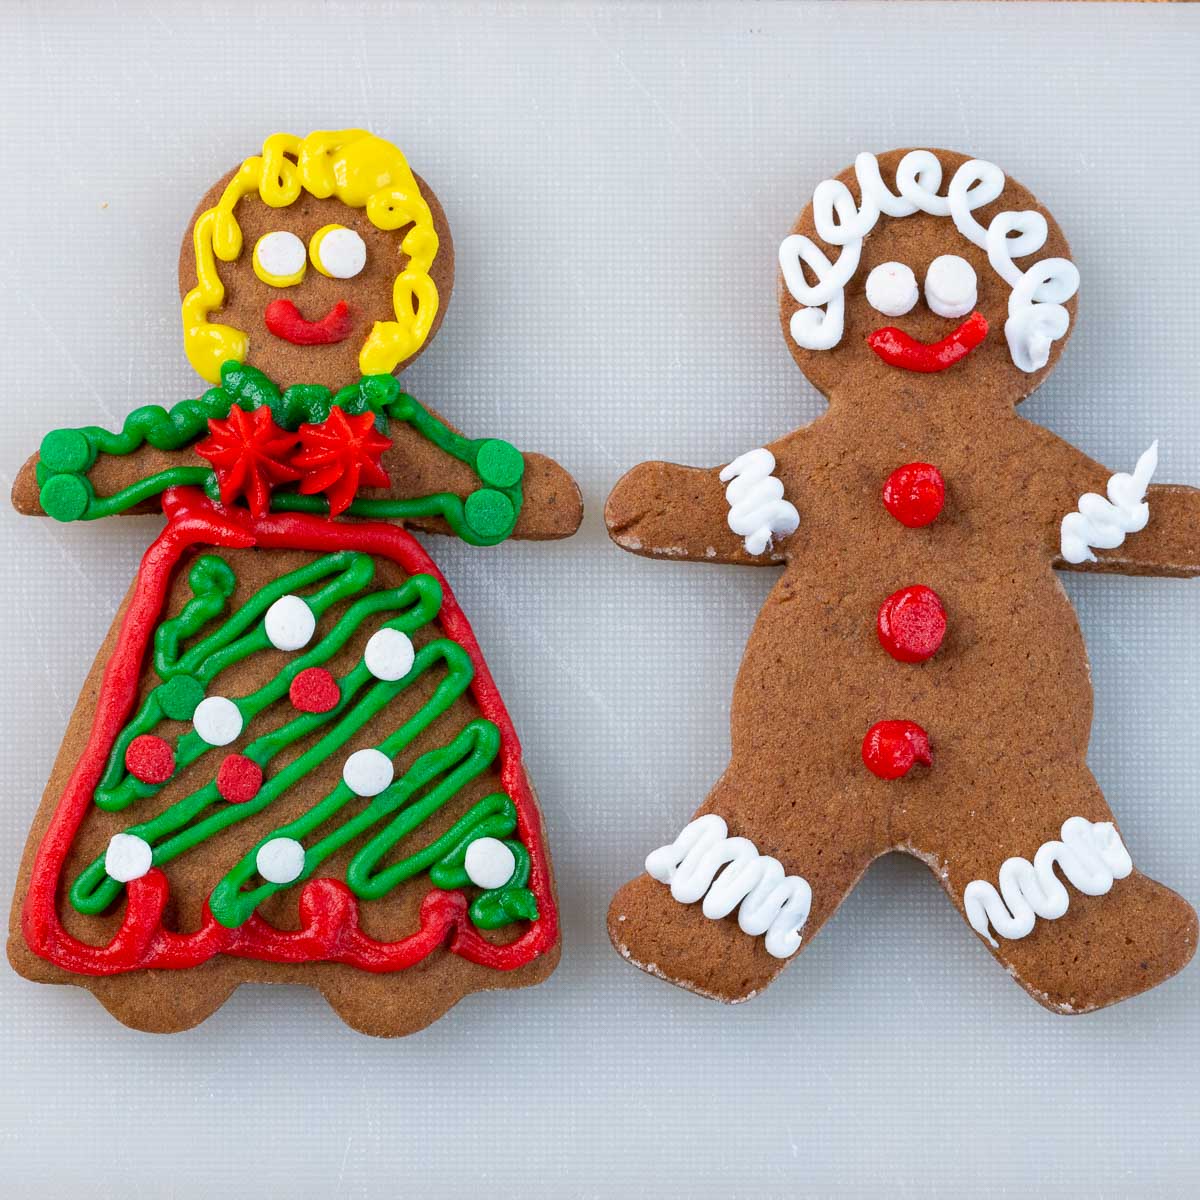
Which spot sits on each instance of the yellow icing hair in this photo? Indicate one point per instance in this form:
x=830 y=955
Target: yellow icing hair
x=362 y=171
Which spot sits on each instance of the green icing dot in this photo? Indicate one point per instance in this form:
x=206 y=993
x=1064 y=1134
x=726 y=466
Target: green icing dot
x=65 y=497
x=178 y=697
x=65 y=451
x=489 y=513
x=499 y=464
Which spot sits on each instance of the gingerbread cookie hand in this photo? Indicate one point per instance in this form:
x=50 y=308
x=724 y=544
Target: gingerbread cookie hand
x=1096 y=533
x=916 y=680
x=741 y=512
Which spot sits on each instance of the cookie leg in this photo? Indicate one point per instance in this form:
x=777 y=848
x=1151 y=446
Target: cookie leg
x=1061 y=905
x=749 y=881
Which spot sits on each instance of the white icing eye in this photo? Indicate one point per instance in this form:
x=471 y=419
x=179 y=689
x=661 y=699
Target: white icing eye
x=279 y=258
x=338 y=252
x=950 y=286
x=892 y=289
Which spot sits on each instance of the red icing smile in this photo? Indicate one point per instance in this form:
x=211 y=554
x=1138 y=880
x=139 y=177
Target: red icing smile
x=284 y=321
x=898 y=349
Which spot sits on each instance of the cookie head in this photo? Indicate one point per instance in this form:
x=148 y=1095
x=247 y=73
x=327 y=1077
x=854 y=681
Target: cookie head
x=888 y=282
x=319 y=260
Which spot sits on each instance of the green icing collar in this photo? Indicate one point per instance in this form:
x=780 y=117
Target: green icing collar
x=485 y=517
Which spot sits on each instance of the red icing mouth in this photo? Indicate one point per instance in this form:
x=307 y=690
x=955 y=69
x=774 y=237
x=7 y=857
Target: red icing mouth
x=898 y=349
x=283 y=319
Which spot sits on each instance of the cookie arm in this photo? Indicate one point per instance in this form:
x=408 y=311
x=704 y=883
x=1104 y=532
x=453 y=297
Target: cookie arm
x=665 y=510
x=1168 y=544
x=551 y=506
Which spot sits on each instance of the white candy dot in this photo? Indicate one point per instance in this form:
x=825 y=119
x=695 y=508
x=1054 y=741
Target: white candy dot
x=950 y=286
x=217 y=720
x=489 y=862
x=127 y=857
x=892 y=289
x=280 y=253
x=280 y=860
x=289 y=623
x=368 y=772
x=343 y=253
x=389 y=654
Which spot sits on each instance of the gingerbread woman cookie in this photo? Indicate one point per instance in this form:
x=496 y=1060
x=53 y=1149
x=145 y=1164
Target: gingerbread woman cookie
x=916 y=680
x=290 y=763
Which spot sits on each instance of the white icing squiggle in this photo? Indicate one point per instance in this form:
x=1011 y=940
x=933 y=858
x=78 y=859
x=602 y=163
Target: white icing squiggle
x=757 y=509
x=1091 y=855
x=772 y=902
x=1104 y=523
x=1036 y=316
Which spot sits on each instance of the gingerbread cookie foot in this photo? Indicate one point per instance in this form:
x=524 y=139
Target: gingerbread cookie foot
x=678 y=943
x=1113 y=947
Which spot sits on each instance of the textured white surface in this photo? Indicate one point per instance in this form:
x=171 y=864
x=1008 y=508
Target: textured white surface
x=618 y=179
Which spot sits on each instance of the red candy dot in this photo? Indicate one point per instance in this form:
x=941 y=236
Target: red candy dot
x=150 y=759
x=912 y=623
x=891 y=747
x=914 y=494
x=239 y=778
x=314 y=690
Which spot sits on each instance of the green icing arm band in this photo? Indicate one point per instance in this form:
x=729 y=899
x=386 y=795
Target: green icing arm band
x=485 y=517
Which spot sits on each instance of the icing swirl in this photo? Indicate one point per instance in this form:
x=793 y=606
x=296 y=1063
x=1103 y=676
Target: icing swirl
x=772 y=902
x=1104 y=523
x=757 y=509
x=1091 y=855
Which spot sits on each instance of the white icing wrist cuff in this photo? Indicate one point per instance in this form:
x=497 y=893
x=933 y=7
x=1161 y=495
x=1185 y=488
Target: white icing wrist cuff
x=1104 y=523
x=757 y=509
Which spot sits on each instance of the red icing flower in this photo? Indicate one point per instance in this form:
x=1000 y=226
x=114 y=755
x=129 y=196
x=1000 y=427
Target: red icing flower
x=340 y=455
x=249 y=453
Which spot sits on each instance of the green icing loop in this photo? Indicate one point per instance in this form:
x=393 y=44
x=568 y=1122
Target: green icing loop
x=212 y=583
x=487 y=516
x=466 y=757
x=498 y=906
x=432 y=780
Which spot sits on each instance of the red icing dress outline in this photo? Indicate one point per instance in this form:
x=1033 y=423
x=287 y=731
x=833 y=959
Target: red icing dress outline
x=328 y=910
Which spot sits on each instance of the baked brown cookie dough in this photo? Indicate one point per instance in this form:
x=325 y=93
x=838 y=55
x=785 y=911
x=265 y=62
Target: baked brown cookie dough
x=289 y=763
x=916 y=680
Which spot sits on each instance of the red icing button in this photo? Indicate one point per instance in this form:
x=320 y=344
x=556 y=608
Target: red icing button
x=914 y=494
x=150 y=759
x=239 y=778
x=314 y=690
x=912 y=623
x=891 y=747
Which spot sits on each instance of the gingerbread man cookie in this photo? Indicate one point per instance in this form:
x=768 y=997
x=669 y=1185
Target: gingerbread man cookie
x=916 y=680
x=290 y=763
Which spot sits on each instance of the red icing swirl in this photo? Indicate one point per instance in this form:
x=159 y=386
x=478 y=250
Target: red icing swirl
x=912 y=623
x=914 y=494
